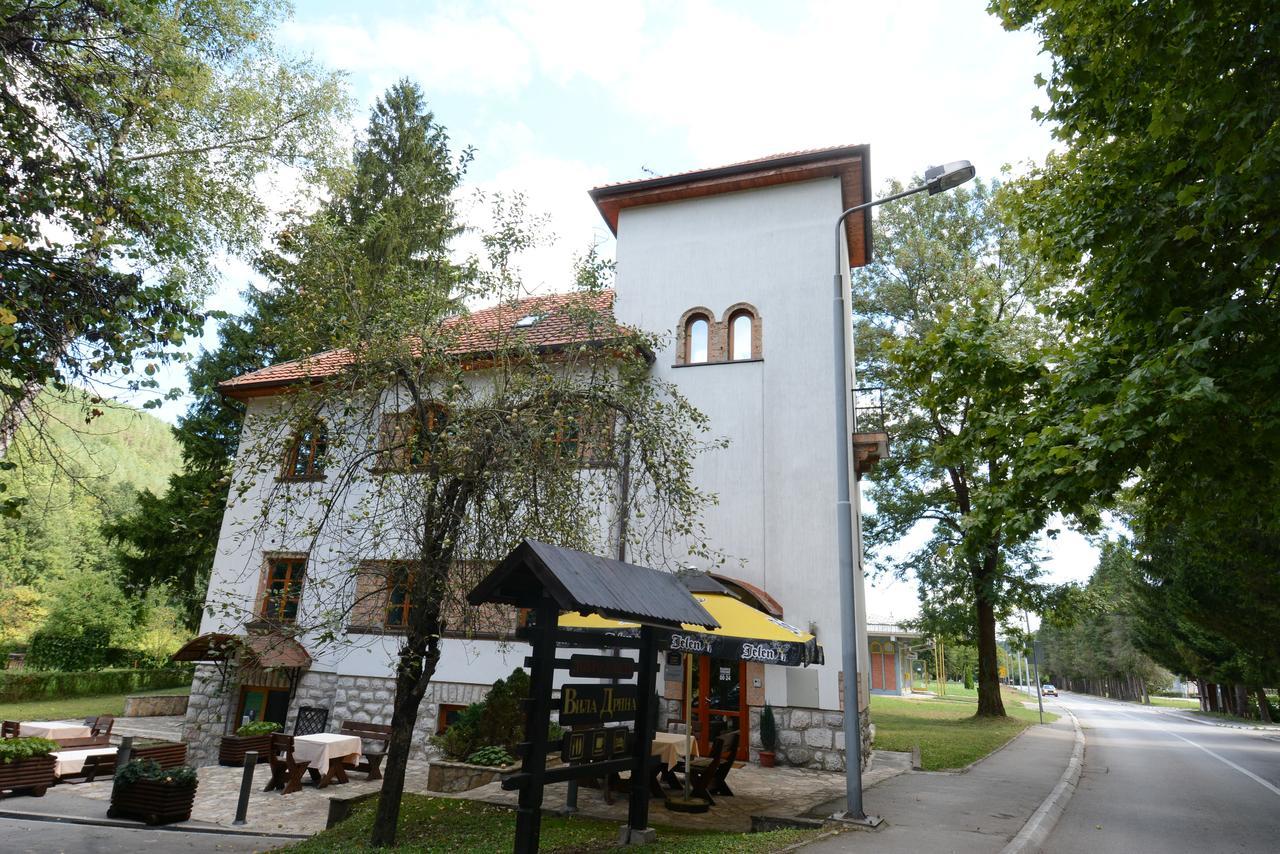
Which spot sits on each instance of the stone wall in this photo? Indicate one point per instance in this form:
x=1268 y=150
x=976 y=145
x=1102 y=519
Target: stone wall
x=810 y=738
x=154 y=705
x=208 y=710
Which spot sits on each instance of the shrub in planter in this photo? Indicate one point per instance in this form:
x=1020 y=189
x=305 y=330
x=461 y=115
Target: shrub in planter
x=768 y=737
x=491 y=756
x=26 y=766
x=255 y=735
x=145 y=791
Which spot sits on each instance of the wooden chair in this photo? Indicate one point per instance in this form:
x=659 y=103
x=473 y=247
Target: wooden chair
x=372 y=759
x=286 y=772
x=707 y=775
x=103 y=764
x=101 y=725
x=310 y=720
x=9 y=729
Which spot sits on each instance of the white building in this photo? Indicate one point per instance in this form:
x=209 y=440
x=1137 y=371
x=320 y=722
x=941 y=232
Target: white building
x=736 y=262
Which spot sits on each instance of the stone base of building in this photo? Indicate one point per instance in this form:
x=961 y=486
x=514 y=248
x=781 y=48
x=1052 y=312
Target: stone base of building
x=214 y=702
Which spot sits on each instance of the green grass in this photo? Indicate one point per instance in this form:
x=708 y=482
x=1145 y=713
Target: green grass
x=433 y=825
x=1175 y=702
x=78 y=707
x=945 y=729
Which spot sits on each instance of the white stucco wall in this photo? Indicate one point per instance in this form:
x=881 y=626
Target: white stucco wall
x=772 y=248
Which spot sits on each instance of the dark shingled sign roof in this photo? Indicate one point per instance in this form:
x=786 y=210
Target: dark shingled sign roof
x=589 y=584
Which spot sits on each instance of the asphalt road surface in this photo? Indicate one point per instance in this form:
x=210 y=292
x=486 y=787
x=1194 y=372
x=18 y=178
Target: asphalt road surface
x=1156 y=782
x=22 y=836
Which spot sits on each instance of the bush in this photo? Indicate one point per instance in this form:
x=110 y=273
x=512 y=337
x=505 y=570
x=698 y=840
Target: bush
x=183 y=777
x=496 y=722
x=17 y=686
x=258 y=728
x=492 y=756
x=17 y=749
x=53 y=650
x=768 y=729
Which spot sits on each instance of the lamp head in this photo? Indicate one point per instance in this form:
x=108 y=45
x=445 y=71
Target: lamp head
x=939 y=179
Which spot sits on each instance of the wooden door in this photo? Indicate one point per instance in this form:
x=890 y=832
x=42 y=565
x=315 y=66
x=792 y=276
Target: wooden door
x=720 y=702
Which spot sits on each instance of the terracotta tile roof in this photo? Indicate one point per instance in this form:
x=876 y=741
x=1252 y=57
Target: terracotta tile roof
x=477 y=333
x=768 y=159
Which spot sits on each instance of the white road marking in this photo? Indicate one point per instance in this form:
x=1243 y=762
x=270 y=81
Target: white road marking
x=1224 y=760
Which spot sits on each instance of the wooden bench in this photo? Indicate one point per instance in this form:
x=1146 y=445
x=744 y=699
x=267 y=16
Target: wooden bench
x=103 y=764
x=708 y=775
x=82 y=741
x=286 y=772
x=372 y=759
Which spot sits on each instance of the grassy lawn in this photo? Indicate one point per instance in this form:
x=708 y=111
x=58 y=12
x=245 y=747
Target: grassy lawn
x=1175 y=702
x=430 y=824
x=77 y=707
x=948 y=734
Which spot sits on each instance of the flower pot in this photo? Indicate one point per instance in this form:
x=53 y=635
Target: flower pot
x=233 y=748
x=152 y=801
x=30 y=776
x=767 y=758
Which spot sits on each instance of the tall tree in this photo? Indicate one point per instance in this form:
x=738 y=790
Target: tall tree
x=171 y=538
x=947 y=324
x=132 y=137
x=448 y=437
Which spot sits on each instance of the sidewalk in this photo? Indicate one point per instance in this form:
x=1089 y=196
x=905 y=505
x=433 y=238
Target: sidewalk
x=972 y=812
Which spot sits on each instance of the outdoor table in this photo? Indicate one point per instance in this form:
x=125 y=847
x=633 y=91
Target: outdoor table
x=327 y=752
x=67 y=762
x=669 y=746
x=53 y=729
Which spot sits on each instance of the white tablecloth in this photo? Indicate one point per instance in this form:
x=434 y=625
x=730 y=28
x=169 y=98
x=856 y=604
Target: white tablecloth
x=52 y=729
x=323 y=747
x=71 y=761
x=670 y=747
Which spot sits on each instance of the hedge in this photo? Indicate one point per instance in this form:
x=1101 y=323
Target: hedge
x=18 y=686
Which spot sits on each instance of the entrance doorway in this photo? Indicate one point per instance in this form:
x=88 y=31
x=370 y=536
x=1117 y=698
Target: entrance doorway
x=263 y=704
x=720 y=702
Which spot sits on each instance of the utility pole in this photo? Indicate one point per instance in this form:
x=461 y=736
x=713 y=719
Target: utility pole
x=1035 y=658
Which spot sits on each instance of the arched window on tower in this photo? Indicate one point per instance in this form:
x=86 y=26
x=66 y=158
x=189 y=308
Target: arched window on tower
x=741 y=335
x=696 y=339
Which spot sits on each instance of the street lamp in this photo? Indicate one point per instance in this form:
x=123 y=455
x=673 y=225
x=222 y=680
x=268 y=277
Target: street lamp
x=938 y=179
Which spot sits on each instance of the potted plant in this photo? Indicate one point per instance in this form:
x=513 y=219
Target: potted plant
x=145 y=791
x=255 y=735
x=768 y=737
x=26 y=765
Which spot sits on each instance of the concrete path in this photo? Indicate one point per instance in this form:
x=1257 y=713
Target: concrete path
x=23 y=836
x=1157 y=781
x=973 y=812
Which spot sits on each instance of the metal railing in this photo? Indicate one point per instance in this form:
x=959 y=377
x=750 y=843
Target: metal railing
x=868 y=410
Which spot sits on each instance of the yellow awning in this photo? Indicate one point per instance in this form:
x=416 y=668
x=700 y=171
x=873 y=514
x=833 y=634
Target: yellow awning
x=745 y=632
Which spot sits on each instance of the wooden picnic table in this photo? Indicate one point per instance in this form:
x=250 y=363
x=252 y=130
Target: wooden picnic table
x=326 y=753
x=68 y=763
x=53 y=729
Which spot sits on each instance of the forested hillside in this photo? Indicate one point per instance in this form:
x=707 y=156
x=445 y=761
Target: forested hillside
x=56 y=564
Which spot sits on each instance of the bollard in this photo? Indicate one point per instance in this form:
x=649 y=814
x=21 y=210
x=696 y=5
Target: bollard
x=123 y=754
x=246 y=786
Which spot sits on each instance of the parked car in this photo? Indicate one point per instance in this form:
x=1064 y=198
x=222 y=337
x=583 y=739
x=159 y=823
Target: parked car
x=1049 y=691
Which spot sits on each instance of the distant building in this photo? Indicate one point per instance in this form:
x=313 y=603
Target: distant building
x=891 y=653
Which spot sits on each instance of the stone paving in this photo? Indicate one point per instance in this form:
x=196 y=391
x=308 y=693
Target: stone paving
x=784 y=792
x=303 y=812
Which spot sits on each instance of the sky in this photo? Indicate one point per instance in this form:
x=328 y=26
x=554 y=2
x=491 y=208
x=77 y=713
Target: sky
x=558 y=97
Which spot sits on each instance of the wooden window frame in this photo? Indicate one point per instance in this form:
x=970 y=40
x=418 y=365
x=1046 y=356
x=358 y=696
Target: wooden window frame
x=442 y=715
x=399 y=575
x=267 y=607
x=318 y=445
x=406 y=453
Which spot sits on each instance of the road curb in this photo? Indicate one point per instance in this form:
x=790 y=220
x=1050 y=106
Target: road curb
x=133 y=825
x=1037 y=829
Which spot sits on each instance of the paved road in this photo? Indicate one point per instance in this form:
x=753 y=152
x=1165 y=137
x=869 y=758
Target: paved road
x=1155 y=782
x=21 y=836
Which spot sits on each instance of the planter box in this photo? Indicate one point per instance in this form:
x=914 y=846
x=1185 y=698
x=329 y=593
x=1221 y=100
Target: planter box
x=169 y=754
x=152 y=801
x=445 y=776
x=28 y=776
x=233 y=748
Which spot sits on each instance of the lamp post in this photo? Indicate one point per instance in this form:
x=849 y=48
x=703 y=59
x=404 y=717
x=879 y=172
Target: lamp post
x=937 y=179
